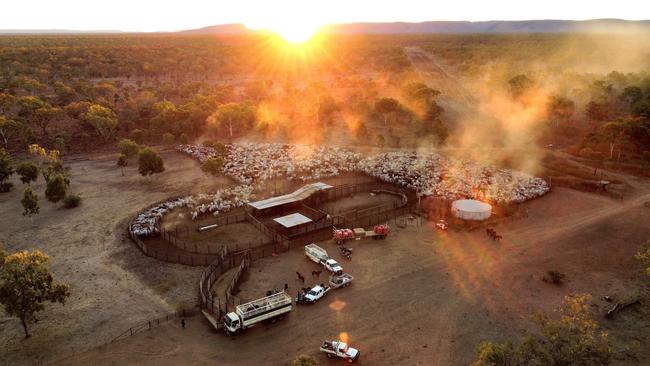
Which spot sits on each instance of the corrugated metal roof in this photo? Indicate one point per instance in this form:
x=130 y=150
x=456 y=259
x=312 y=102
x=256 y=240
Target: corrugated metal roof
x=299 y=195
x=292 y=220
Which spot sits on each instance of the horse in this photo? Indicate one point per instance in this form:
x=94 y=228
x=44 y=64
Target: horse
x=300 y=277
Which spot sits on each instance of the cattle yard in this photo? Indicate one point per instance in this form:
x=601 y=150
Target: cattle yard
x=235 y=225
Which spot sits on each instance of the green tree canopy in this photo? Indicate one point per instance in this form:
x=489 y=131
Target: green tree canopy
x=28 y=172
x=386 y=106
x=168 y=138
x=520 y=85
x=57 y=188
x=631 y=94
x=560 y=109
x=128 y=148
x=8 y=129
x=419 y=93
x=30 y=203
x=233 y=117
x=6 y=167
x=103 y=119
x=212 y=165
x=150 y=162
x=26 y=283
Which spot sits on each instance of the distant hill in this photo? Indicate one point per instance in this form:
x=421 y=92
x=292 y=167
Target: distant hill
x=493 y=26
x=235 y=28
x=524 y=26
x=57 y=31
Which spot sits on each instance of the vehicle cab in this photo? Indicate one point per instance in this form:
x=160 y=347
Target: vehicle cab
x=315 y=293
x=346 y=351
x=333 y=266
x=231 y=323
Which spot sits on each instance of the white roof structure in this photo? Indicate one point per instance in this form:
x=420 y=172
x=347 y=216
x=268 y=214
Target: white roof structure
x=292 y=220
x=471 y=210
x=299 y=195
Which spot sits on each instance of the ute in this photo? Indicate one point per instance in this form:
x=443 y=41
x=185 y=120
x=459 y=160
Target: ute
x=270 y=308
x=340 y=349
x=320 y=256
x=316 y=293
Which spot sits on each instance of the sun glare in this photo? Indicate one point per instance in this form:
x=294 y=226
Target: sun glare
x=291 y=31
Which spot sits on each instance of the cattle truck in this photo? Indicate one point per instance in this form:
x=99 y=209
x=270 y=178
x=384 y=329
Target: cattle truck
x=270 y=308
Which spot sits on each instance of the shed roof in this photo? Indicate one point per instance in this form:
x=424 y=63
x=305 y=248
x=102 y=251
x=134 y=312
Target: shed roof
x=299 y=195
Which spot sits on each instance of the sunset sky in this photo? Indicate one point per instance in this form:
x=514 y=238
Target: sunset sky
x=171 y=15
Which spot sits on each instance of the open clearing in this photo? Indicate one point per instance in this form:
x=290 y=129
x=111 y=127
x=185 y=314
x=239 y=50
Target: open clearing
x=422 y=295
x=114 y=286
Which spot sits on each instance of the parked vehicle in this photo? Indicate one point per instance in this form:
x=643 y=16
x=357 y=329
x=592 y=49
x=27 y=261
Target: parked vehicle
x=319 y=255
x=269 y=308
x=316 y=253
x=340 y=349
x=333 y=266
x=342 y=280
x=378 y=232
x=316 y=293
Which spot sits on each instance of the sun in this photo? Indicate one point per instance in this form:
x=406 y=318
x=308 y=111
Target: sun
x=295 y=33
x=292 y=31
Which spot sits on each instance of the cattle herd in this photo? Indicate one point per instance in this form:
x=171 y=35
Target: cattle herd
x=432 y=174
x=223 y=200
x=426 y=173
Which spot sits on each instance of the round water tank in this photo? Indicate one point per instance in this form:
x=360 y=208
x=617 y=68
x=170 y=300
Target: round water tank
x=471 y=210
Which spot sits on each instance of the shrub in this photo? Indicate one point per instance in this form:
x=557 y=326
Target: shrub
x=71 y=201
x=28 y=172
x=574 y=339
x=56 y=188
x=304 y=360
x=6 y=187
x=168 y=138
x=128 y=148
x=183 y=139
x=137 y=135
x=212 y=165
x=150 y=162
x=554 y=277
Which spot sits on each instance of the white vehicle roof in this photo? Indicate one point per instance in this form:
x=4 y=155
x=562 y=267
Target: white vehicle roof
x=261 y=305
x=316 y=288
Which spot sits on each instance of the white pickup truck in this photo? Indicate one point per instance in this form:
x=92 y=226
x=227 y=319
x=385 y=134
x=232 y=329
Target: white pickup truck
x=319 y=255
x=340 y=349
x=316 y=293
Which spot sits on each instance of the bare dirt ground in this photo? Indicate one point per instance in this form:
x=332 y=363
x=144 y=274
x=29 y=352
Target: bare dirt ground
x=235 y=236
x=423 y=297
x=360 y=201
x=114 y=286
